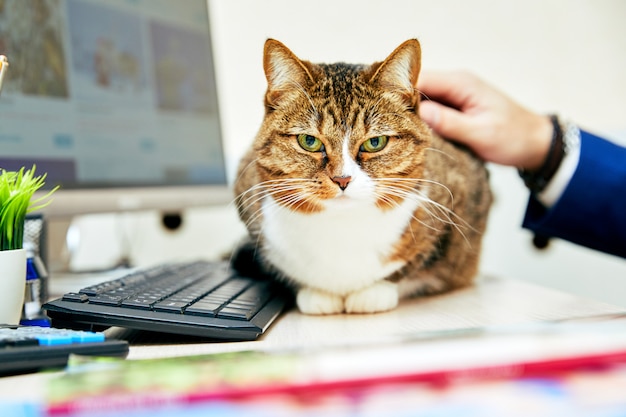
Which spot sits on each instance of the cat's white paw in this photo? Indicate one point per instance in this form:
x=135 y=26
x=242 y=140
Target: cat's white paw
x=381 y=296
x=312 y=301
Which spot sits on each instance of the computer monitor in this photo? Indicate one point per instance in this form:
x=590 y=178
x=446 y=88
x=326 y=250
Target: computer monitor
x=115 y=100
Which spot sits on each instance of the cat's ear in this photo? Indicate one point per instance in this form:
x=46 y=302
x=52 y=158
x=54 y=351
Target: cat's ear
x=284 y=71
x=398 y=73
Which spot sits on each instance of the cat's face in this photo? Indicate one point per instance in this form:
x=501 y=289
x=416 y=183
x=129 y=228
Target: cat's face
x=341 y=134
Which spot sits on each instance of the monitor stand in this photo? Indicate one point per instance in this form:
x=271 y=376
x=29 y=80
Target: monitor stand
x=100 y=242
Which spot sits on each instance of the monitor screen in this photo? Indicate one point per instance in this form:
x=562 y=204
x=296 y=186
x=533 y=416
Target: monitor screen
x=115 y=100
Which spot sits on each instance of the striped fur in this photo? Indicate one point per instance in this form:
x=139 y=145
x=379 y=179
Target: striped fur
x=355 y=230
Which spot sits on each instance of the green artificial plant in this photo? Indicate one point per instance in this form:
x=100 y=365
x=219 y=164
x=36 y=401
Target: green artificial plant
x=16 y=191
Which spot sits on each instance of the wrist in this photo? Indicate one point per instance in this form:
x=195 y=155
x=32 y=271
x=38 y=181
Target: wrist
x=538 y=178
x=540 y=135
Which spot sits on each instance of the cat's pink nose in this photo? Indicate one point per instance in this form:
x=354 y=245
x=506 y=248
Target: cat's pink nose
x=342 y=182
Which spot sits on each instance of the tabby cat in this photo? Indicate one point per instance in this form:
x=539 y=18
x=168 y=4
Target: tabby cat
x=349 y=196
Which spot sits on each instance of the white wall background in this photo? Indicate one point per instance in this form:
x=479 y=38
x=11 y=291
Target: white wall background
x=565 y=56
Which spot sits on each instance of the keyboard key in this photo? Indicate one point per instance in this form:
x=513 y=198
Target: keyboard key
x=87 y=337
x=106 y=299
x=75 y=297
x=241 y=304
x=235 y=313
x=138 y=302
x=204 y=308
x=52 y=339
x=173 y=306
x=101 y=288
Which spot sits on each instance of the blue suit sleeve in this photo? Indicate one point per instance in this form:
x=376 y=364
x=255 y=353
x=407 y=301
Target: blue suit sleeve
x=592 y=209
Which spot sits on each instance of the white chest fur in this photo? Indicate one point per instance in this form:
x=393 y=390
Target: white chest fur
x=342 y=249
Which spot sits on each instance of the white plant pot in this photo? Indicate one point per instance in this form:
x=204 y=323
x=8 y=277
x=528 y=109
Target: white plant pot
x=12 y=285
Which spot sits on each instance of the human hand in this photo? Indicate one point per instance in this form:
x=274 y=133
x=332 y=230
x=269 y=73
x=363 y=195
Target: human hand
x=461 y=107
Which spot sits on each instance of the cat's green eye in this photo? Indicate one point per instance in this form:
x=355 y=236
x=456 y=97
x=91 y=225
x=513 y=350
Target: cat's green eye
x=374 y=144
x=310 y=143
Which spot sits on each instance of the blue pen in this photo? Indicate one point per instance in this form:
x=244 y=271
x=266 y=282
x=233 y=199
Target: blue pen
x=35 y=271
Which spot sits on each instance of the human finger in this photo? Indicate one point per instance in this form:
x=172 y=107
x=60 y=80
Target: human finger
x=454 y=89
x=447 y=122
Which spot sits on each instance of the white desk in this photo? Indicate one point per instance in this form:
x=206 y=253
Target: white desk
x=490 y=302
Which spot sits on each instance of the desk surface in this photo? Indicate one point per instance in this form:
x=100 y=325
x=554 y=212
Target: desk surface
x=490 y=302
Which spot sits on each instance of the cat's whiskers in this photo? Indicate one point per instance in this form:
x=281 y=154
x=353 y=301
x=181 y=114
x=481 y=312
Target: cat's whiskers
x=268 y=188
x=291 y=197
x=235 y=202
x=441 y=152
x=411 y=194
x=247 y=205
x=386 y=197
x=242 y=172
x=423 y=96
x=290 y=193
x=405 y=188
x=291 y=201
x=248 y=199
x=411 y=184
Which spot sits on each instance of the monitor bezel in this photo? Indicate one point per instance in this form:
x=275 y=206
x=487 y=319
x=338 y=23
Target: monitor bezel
x=74 y=202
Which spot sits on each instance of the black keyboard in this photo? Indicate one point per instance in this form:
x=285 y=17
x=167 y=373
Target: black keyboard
x=197 y=298
x=26 y=349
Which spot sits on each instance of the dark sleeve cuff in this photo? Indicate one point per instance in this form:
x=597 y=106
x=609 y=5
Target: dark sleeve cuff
x=592 y=209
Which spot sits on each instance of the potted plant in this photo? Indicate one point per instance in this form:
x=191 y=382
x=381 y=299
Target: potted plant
x=16 y=201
